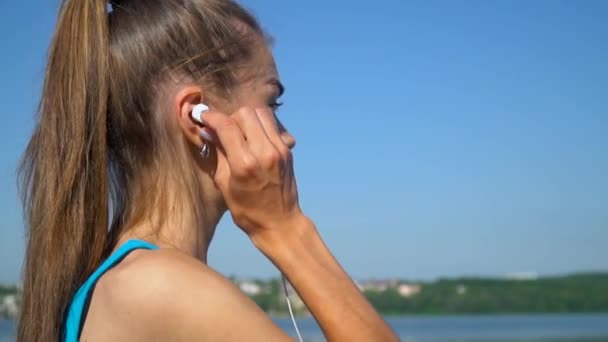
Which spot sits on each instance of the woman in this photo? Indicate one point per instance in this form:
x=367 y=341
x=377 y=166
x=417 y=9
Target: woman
x=121 y=203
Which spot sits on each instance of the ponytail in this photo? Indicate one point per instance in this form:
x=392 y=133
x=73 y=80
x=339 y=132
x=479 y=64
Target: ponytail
x=74 y=166
x=63 y=175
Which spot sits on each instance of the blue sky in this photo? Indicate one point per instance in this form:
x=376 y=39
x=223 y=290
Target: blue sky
x=435 y=138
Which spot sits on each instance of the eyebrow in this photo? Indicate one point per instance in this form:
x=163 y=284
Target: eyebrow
x=275 y=82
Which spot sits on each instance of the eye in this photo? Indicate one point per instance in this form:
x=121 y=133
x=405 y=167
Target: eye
x=275 y=105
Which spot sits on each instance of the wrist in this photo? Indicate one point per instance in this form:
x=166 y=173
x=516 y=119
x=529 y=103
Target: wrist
x=275 y=242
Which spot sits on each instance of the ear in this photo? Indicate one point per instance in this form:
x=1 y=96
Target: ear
x=185 y=100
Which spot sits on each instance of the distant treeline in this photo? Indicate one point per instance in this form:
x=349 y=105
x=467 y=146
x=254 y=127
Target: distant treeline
x=579 y=293
x=569 y=294
x=7 y=290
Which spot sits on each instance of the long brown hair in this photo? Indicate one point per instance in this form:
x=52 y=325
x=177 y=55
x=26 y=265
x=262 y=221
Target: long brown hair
x=101 y=154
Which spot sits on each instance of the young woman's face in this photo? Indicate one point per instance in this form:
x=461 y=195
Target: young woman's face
x=259 y=86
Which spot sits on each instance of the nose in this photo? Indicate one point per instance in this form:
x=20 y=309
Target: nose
x=287 y=138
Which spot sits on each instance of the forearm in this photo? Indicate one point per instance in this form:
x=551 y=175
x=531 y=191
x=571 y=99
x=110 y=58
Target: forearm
x=329 y=293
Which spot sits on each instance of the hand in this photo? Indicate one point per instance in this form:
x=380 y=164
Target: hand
x=255 y=171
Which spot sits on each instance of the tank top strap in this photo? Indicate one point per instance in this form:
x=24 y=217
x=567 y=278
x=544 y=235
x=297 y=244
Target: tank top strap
x=79 y=304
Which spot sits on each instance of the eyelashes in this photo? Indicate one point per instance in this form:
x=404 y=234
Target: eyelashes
x=275 y=105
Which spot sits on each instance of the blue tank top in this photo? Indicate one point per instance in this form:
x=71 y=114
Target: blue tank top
x=79 y=304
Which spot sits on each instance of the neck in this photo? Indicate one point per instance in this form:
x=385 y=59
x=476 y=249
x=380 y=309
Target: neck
x=185 y=228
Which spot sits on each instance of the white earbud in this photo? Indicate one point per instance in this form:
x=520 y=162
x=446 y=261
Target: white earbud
x=197 y=112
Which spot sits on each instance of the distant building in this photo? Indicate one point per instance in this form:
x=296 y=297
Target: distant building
x=461 y=290
x=250 y=288
x=9 y=307
x=375 y=285
x=523 y=276
x=408 y=290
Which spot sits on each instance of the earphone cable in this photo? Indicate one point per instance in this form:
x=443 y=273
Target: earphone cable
x=293 y=319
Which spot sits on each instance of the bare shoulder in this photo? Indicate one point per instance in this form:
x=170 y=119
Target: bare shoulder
x=170 y=295
x=148 y=272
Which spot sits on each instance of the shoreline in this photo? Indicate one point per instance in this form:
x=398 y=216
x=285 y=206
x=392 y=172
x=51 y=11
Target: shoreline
x=497 y=315
x=464 y=315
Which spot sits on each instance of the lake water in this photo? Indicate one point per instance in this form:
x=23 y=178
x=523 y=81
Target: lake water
x=517 y=328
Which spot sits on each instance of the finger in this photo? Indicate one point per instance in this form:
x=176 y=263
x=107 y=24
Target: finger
x=230 y=137
x=269 y=122
x=254 y=132
x=222 y=173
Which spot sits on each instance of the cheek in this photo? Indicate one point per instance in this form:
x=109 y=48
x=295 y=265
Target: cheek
x=250 y=94
x=251 y=101
x=238 y=98
x=226 y=106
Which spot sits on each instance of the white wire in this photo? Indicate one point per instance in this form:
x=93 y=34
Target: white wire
x=293 y=319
